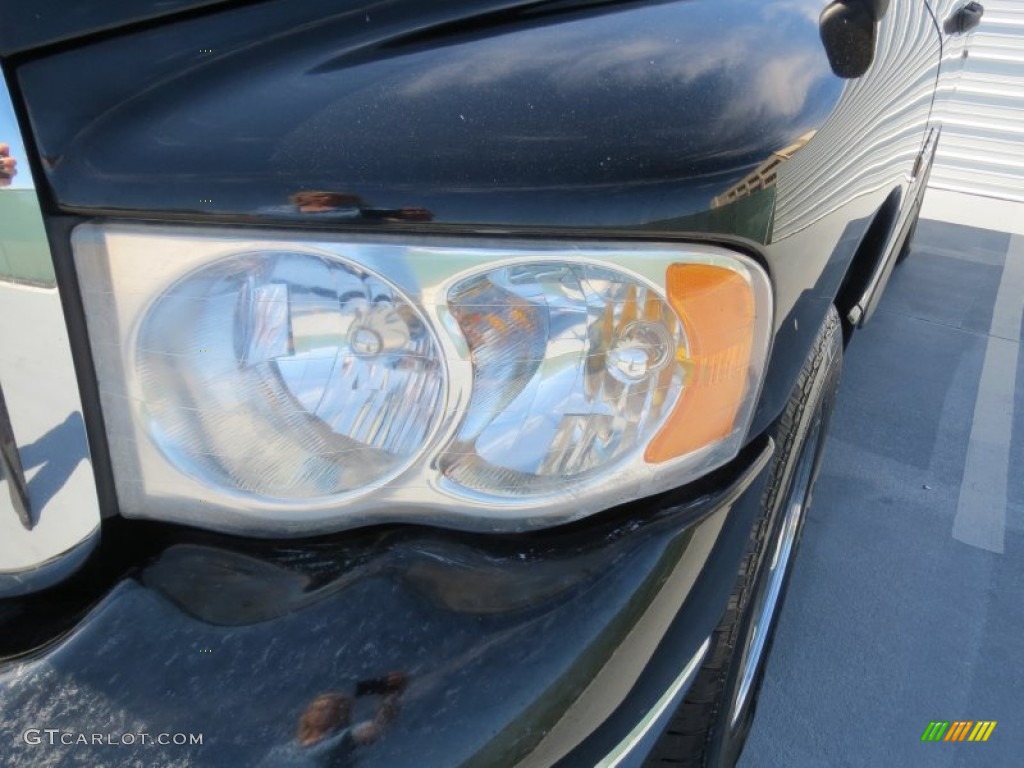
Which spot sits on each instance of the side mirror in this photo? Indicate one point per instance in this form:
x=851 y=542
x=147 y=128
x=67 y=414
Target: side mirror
x=964 y=19
x=848 y=32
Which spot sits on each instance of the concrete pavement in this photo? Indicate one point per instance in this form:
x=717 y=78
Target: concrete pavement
x=907 y=599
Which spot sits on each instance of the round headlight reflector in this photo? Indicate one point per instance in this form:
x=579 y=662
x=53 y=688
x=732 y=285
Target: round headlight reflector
x=575 y=368
x=288 y=376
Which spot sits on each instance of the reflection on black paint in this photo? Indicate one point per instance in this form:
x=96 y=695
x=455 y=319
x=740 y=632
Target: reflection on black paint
x=607 y=116
x=326 y=737
x=467 y=625
x=746 y=207
x=227 y=588
x=343 y=206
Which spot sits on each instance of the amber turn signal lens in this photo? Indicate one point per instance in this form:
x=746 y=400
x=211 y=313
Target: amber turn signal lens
x=717 y=308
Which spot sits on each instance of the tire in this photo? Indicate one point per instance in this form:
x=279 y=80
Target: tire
x=711 y=724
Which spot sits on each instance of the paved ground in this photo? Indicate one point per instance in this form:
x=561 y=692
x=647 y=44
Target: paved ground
x=907 y=599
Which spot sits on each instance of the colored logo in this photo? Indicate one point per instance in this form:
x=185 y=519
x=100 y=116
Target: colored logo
x=959 y=730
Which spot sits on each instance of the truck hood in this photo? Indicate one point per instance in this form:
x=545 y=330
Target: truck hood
x=611 y=115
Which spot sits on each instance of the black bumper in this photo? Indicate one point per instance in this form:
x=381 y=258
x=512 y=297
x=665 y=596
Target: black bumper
x=566 y=647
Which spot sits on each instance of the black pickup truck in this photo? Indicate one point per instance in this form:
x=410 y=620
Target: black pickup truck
x=443 y=383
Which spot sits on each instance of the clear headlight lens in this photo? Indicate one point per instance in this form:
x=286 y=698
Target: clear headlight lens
x=261 y=385
x=288 y=375
x=574 y=367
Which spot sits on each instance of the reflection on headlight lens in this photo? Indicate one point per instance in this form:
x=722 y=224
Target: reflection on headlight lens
x=288 y=376
x=575 y=367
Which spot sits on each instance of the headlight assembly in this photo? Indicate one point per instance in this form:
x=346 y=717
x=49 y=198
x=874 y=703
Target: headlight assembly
x=270 y=385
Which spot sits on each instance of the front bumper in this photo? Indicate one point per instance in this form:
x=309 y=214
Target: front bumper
x=570 y=646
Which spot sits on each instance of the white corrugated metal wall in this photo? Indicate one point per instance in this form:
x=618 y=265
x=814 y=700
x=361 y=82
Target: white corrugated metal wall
x=982 y=148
